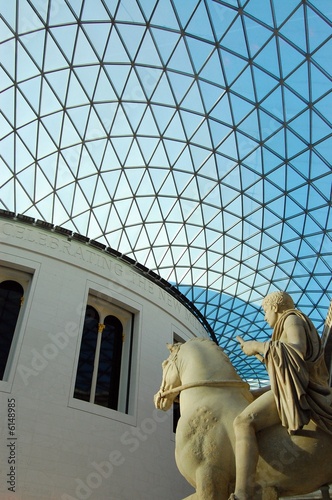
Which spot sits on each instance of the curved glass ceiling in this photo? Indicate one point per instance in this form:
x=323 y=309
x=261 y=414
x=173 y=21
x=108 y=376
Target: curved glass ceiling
x=193 y=136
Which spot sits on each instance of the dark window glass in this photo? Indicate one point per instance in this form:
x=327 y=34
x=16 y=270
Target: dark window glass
x=11 y=294
x=108 y=380
x=87 y=355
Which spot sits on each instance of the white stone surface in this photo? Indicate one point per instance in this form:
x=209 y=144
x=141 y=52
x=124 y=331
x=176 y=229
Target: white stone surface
x=62 y=450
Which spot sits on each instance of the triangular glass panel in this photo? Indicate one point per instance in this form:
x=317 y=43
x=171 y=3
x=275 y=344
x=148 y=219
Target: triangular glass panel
x=54 y=59
x=34 y=44
x=300 y=197
x=244 y=87
x=181 y=181
x=159 y=158
x=147 y=147
x=45 y=144
x=31 y=91
x=76 y=93
x=87 y=167
x=267 y=59
x=97 y=34
x=26 y=67
x=293 y=177
x=118 y=75
x=79 y=117
x=24 y=112
x=295 y=29
x=120 y=125
x=121 y=146
x=66 y=196
x=199 y=155
x=191 y=122
x=104 y=89
x=128 y=12
x=293 y=144
x=158 y=177
x=318 y=27
x=218 y=132
x=322 y=56
x=165 y=41
x=248 y=131
x=210 y=95
x=111 y=179
x=163 y=12
x=173 y=150
x=301 y=126
x=149 y=78
x=222 y=111
x=264 y=83
x=88 y=76
x=148 y=52
x=290 y=58
x=324 y=147
x=175 y=129
x=234 y=39
x=193 y=100
x=256 y=33
x=320 y=128
x=134 y=158
x=163 y=93
x=148 y=126
x=277 y=143
x=180 y=84
x=58 y=82
x=222 y=16
x=262 y=12
x=9 y=13
x=199 y=52
x=110 y=159
x=229 y=147
x=93 y=11
x=212 y=70
x=233 y=65
x=180 y=60
x=115 y=51
x=284 y=10
x=202 y=136
x=69 y=134
x=65 y=37
x=199 y=24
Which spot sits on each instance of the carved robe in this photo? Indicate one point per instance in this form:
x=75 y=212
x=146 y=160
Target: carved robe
x=300 y=384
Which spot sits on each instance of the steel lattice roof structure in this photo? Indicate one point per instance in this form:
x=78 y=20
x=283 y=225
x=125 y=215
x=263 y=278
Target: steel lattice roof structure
x=193 y=136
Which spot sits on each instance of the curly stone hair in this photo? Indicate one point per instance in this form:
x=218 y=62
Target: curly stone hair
x=280 y=299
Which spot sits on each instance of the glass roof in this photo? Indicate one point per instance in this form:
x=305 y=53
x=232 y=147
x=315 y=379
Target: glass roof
x=193 y=136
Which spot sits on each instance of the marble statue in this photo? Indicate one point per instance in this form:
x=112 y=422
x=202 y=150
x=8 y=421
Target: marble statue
x=230 y=443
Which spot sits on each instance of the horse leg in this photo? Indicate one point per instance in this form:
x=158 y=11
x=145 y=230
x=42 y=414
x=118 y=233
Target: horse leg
x=211 y=483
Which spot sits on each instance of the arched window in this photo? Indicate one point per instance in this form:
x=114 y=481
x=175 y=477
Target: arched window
x=11 y=294
x=109 y=368
x=103 y=368
x=86 y=360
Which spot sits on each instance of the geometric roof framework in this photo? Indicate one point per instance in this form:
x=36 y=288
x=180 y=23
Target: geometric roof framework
x=194 y=137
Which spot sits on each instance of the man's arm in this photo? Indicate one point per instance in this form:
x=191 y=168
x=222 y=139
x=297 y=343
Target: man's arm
x=294 y=334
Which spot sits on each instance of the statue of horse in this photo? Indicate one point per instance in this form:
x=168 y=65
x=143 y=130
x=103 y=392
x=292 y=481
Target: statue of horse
x=211 y=395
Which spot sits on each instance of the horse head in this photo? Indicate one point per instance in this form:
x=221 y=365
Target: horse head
x=170 y=380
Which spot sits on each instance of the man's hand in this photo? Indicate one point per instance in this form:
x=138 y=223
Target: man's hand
x=252 y=348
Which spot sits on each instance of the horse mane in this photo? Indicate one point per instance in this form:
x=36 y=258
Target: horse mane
x=214 y=348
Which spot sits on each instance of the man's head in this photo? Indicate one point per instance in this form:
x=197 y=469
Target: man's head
x=281 y=300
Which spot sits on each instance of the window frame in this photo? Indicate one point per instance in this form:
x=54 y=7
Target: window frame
x=130 y=314
x=17 y=271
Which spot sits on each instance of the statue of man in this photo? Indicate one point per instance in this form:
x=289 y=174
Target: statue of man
x=299 y=385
